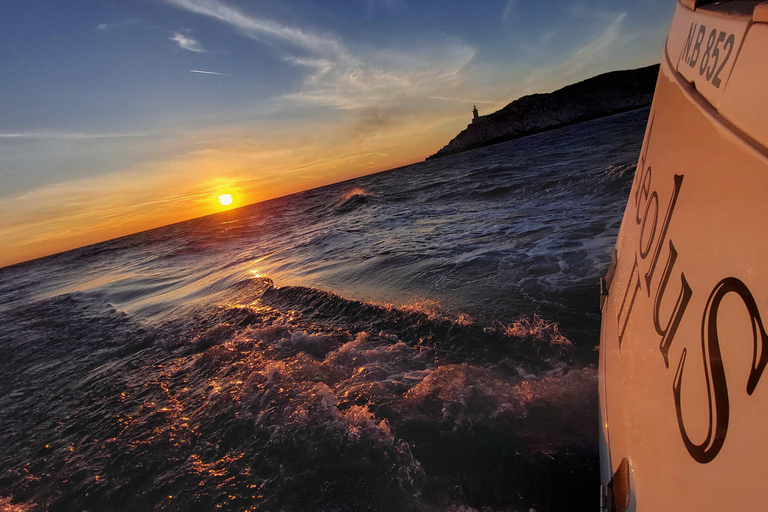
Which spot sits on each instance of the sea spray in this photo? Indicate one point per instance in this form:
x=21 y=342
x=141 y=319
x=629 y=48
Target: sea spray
x=420 y=339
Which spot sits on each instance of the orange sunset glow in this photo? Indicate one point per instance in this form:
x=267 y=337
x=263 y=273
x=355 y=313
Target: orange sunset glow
x=179 y=187
x=155 y=110
x=291 y=255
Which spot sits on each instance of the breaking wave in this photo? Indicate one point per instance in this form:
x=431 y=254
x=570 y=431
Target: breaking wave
x=429 y=346
x=292 y=399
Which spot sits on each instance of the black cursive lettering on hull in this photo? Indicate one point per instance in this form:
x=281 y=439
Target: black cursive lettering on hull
x=653 y=236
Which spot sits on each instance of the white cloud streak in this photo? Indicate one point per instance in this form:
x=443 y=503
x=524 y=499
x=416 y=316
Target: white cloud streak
x=509 y=8
x=599 y=48
x=261 y=29
x=44 y=135
x=118 y=24
x=187 y=43
x=462 y=100
x=390 y=5
x=201 y=72
x=345 y=79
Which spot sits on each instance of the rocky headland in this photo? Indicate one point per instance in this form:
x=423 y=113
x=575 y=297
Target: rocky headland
x=599 y=96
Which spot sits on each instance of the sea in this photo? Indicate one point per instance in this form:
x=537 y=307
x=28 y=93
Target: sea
x=423 y=338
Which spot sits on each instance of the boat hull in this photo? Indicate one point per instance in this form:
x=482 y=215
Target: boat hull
x=684 y=397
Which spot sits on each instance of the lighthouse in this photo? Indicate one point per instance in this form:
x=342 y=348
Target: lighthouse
x=474 y=114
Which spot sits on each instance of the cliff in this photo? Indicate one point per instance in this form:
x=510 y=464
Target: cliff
x=602 y=95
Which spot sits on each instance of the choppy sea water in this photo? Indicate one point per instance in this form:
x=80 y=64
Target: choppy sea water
x=419 y=339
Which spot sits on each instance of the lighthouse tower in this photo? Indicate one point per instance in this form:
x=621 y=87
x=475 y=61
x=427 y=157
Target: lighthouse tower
x=474 y=114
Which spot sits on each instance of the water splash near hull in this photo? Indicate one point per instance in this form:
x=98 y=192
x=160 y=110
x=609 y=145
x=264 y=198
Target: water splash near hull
x=421 y=343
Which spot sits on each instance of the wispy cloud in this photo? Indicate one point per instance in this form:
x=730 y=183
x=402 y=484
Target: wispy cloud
x=551 y=63
x=201 y=72
x=51 y=135
x=187 y=43
x=342 y=78
x=599 y=48
x=462 y=100
x=390 y=5
x=262 y=29
x=509 y=8
x=118 y=24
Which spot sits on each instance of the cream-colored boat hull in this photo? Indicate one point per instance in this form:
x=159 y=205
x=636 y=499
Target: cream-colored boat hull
x=684 y=395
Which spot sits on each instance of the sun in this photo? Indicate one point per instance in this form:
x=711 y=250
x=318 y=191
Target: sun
x=226 y=199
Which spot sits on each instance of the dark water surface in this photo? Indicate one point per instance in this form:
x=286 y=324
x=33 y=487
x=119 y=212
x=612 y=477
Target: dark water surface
x=418 y=339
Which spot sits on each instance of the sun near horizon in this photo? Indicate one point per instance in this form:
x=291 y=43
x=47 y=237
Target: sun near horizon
x=139 y=116
x=226 y=199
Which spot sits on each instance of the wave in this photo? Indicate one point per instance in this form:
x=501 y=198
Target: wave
x=146 y=373
x=455 y=337
x=293 y=398
x=352 y=200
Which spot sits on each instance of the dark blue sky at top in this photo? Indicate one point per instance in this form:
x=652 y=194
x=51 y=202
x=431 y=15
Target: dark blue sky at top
x=61 y=72
x=117 y=116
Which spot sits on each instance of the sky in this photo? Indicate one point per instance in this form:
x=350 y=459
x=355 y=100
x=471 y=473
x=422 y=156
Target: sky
x=118 y=116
